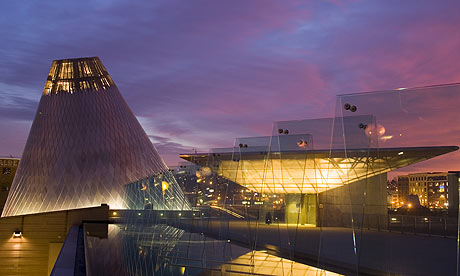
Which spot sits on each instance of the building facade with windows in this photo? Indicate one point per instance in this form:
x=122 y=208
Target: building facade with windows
x=435 y=190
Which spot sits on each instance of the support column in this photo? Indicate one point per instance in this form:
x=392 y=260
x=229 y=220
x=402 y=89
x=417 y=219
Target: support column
x=300 y=209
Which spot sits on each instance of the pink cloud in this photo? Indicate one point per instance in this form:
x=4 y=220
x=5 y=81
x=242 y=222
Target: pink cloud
x=204 y=73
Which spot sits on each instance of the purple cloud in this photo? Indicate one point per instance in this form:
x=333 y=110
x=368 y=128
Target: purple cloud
x=201 y=73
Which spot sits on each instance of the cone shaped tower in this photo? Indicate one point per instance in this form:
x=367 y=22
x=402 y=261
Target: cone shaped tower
x=86 y=148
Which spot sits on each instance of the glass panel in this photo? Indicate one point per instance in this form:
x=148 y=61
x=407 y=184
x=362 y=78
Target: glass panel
x=411 y=178
x=125 y=249
x=372 y=190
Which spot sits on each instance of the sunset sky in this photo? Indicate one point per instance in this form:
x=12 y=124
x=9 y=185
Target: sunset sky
x=198 y=74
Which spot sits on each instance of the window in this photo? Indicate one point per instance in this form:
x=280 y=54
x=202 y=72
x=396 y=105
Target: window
x=6 y=170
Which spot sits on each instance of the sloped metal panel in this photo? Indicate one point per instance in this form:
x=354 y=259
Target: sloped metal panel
x=85 y=146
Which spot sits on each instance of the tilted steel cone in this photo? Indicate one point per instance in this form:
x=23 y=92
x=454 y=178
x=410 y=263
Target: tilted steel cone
x=86 y=148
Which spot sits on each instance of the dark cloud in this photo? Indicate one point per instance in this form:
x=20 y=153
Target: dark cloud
x=17 y=108
x=166 y=146
x=170 y=150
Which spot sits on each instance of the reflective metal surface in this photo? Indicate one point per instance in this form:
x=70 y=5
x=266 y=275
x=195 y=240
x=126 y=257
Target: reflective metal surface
x=84 y=146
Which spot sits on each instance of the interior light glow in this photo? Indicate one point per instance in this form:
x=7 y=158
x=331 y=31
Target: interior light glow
x=387 y=137
x=164 y=186
x=17 y=234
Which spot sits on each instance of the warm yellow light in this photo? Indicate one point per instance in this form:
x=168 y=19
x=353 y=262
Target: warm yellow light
x=260 y=261
x=114 y=213
x=284 y=175
x=164 y=186
x=409 y=205
x=387 y=137
x=17 y=234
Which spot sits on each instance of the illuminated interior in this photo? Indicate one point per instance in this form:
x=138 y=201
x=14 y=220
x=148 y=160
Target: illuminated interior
x=72 y=75
x=313 y=171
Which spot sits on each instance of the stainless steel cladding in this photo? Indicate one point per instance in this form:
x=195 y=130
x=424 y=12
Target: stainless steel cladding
x=85 y=146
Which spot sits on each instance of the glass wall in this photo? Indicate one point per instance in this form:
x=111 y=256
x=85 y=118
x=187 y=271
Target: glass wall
x=372 y=190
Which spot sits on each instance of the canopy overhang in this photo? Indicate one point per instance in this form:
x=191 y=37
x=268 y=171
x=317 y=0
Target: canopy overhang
x=310 y=171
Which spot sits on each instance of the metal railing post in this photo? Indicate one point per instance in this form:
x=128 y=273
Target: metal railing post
x=445 y=227
x=402 y=224
x=429 y=226
x=389 y=223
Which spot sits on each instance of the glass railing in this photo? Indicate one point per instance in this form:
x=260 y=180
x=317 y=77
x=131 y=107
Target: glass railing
x=362 y=192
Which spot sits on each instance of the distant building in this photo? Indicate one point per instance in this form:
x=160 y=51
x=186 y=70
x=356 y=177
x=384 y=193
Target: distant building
x=403 y=189
x=8 y=167
x=392 y=196
x=434 y=189
x=204 y=187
